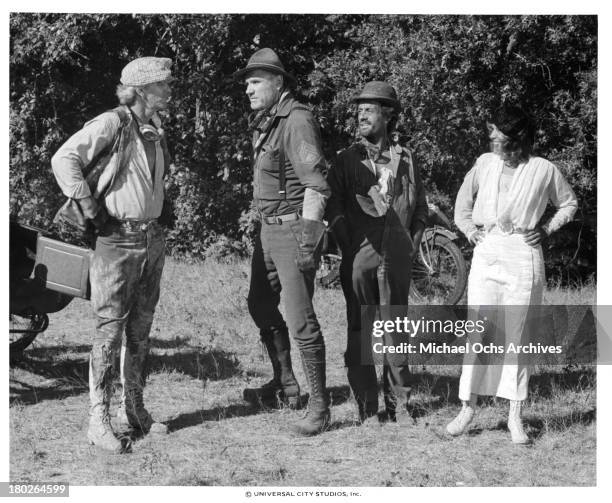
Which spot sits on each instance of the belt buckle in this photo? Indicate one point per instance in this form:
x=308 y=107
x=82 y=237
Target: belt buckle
x=506 y=228
x=279 y=220
x=129 y=226
x=136 y=226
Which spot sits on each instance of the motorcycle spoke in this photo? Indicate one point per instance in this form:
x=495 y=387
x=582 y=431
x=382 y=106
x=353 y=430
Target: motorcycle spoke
x=434 y=281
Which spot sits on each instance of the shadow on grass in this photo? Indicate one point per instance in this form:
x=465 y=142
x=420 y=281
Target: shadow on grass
x=547 y=384
x=59 y=364
x=69 y=366
x=29 y=395
x=539 y=426
x=200 y=416
x=197 y=363
x=338 y=395
x=177 y=342
x=445 y=389
x=562 y=422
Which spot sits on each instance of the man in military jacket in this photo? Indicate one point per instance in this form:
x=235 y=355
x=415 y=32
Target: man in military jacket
x=290 y=194
x=377 y=213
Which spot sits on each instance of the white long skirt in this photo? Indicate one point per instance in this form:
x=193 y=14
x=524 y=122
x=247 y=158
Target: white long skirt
x=505 y=272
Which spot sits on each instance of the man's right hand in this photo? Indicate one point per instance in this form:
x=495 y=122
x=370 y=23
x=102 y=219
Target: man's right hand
x=93 y=211
x=89 y=206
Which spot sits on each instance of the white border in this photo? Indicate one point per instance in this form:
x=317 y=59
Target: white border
x=604 y=376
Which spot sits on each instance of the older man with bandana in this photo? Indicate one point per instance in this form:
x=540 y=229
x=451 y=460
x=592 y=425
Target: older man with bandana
x=114 y=169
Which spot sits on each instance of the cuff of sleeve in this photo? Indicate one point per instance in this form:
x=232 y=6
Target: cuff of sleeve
x=314 y=205
x=79 y=190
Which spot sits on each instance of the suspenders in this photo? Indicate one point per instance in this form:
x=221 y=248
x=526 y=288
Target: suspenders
x=278 y=123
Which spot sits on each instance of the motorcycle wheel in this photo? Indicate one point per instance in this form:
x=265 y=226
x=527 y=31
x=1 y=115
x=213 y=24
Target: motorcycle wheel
x=439 y=273
x=23 y=329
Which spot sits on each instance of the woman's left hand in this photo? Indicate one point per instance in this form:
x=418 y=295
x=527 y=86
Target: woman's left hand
x=535 y=237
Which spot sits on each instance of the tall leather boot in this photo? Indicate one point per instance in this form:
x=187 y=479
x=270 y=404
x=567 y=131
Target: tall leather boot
x=317 y=418
x=363 y=383
x=396 y=393
x=132 y=412
x=283 y=386
x=100 y=432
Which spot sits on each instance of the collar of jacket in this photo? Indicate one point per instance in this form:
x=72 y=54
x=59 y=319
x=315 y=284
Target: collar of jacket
x=283 y=109
x=262 y=119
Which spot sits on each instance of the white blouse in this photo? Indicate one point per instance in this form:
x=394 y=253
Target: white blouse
x=534 y=183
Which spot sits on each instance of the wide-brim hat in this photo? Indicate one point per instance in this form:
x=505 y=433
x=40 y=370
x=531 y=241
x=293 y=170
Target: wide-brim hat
x=377 y=90
x=265 y=59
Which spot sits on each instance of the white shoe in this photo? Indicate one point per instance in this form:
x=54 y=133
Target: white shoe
x=458 y=425
x=515 y=424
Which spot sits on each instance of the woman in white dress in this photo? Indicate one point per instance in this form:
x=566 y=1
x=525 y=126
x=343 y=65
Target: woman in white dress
x=498 y=208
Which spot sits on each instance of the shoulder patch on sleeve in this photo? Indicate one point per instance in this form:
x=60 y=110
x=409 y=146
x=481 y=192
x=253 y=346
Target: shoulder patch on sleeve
x=308 y=153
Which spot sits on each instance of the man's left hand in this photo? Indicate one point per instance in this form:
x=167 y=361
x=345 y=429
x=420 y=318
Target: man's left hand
x=535 y=237
x=312 y=233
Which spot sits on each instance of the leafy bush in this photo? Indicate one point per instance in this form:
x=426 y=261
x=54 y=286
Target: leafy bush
x=450 y=71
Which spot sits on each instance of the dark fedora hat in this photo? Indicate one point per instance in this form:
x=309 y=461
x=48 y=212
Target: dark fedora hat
x=265 y=59
x=377 y=90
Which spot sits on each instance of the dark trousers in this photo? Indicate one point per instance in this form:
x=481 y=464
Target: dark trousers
x=273 y=269
x=374 y=287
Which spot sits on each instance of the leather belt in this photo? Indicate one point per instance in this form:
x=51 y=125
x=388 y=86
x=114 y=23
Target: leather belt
x=280 y=219
x=133 y=225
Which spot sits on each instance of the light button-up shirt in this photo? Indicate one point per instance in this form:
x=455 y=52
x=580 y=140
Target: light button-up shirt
x=134 y=195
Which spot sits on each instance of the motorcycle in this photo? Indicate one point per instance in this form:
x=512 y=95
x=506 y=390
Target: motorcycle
x=439 y=272
x=30 y=301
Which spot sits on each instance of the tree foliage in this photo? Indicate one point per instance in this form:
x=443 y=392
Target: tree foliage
x=450 y=71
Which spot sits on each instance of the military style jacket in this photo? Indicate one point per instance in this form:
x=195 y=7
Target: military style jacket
x=351 y=179
x=292 y=138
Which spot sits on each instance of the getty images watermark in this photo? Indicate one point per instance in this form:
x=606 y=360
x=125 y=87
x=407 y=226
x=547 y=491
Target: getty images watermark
x=458 y=328
x=440 y=335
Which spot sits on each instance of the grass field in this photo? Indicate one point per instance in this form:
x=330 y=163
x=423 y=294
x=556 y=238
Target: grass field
x=206 y=350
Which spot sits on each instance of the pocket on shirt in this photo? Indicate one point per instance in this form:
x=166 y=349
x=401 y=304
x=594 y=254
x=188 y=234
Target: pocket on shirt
x=268 y=164
x=269 y=159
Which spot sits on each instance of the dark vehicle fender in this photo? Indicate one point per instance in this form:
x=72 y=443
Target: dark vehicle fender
x=442 y=231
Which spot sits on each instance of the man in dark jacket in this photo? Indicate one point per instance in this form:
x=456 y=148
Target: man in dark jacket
x=377 y=214
x=290 y=194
